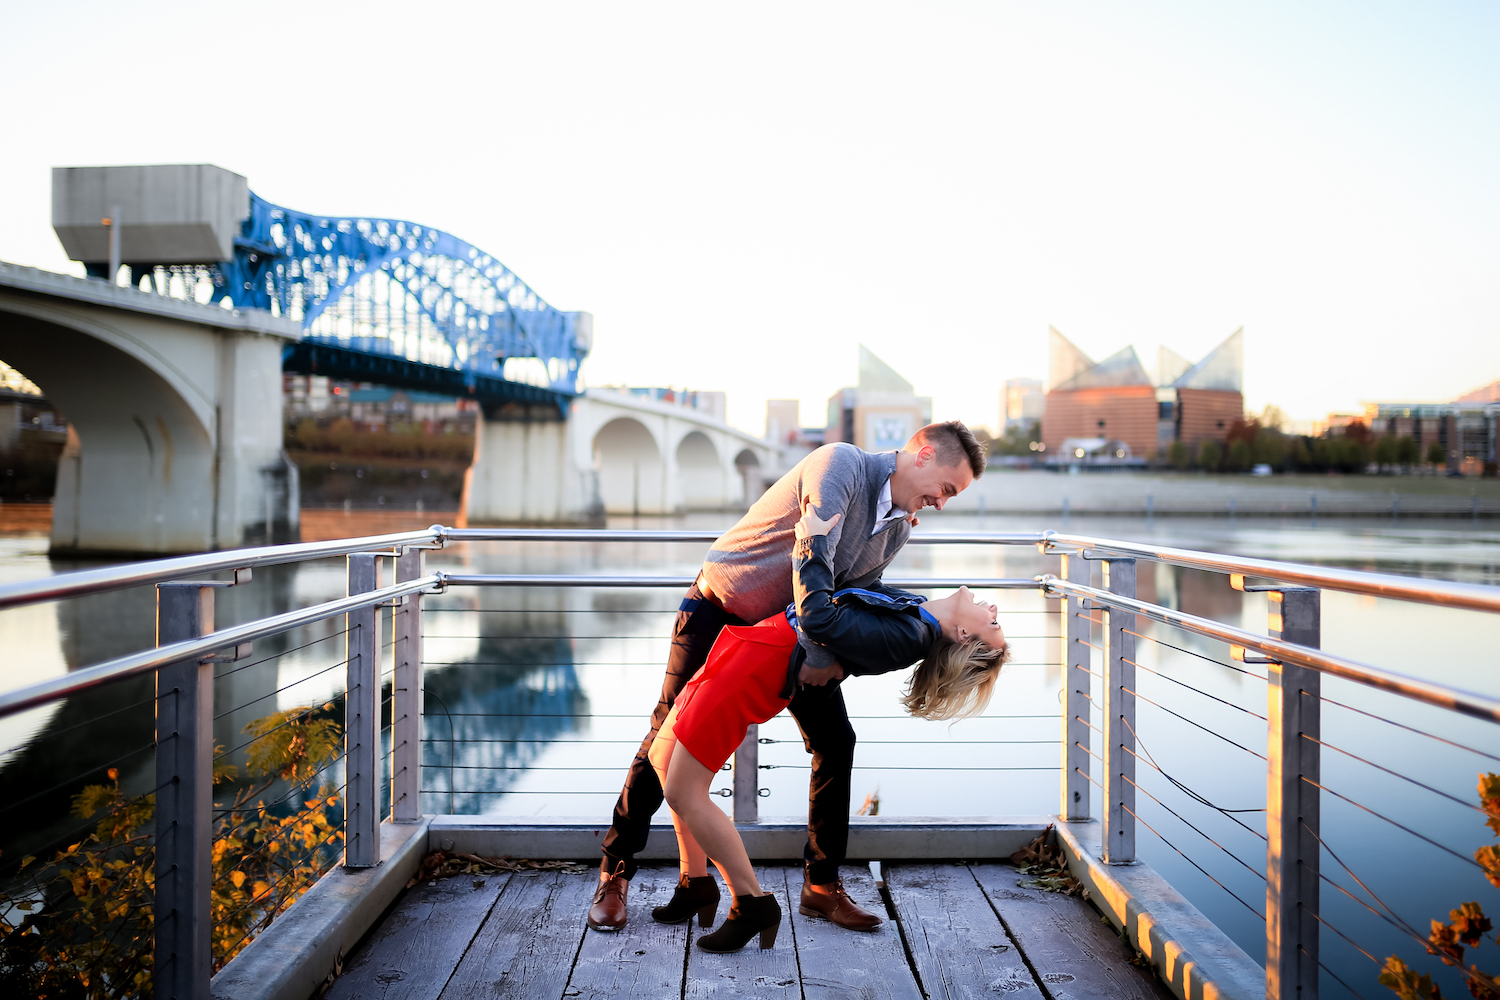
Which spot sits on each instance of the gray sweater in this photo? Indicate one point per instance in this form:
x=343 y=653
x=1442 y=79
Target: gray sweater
x=749 y=568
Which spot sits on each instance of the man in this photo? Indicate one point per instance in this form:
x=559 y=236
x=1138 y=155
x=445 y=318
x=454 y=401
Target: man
x=747 y=577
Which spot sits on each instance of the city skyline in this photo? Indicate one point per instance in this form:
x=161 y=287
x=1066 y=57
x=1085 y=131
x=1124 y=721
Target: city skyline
x=741 y=199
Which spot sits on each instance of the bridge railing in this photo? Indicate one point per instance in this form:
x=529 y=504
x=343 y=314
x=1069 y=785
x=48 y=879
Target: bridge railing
x=1106 y=675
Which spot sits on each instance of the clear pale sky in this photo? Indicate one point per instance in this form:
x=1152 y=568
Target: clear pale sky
x=742 y=193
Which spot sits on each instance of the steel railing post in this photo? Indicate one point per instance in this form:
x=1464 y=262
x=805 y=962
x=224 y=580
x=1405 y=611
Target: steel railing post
x=362 y=719
x=1294 y=710
x=747 y=778
x=1076 y=710
x=1119 y=716
x=406 y=695
x=184 y=798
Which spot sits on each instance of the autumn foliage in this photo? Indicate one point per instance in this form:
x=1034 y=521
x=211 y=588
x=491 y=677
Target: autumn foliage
x=80 y=924
x=1467 y=926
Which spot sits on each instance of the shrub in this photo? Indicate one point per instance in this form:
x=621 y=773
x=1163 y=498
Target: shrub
x=1466 y=928
x=87 y=916
x=1209 y=455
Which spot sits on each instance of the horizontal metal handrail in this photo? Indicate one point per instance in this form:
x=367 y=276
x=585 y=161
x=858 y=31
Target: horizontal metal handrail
x=105 y=578
x=121 y=667
x=1443 y=593
x=1468 y=702
x=581 y=580
x=625 y=535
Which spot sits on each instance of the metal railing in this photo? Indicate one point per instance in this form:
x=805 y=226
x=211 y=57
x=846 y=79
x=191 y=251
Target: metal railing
x=382 y=759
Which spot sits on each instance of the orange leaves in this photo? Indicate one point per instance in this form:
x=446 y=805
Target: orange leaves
x=1466 y=926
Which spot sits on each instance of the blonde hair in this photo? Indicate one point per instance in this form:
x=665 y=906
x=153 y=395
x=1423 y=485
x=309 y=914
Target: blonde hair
x=955 y=680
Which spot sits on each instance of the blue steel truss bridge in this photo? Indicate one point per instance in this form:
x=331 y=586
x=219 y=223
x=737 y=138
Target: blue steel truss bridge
x=378 y=300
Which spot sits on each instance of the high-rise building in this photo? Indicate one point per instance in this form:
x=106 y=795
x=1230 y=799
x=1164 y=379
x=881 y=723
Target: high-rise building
x=882 y=412
x=1023 y=403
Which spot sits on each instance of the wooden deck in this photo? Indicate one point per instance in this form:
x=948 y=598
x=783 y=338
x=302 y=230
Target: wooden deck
x=964 y=930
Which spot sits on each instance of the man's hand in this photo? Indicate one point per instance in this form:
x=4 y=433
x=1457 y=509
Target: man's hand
x=811 y=524
x=912 y=520
x=817 y=677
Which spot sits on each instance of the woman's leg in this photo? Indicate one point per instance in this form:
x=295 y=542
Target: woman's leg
x=692 y=860
x=687 y=784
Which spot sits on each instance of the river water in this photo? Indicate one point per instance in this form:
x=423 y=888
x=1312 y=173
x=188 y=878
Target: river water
x=535 y=700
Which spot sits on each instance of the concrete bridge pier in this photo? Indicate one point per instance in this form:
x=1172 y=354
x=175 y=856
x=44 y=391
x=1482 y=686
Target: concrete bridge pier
x=615 y=453
x=174 y=414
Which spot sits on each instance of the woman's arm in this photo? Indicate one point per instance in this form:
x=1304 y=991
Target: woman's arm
x=852 y=632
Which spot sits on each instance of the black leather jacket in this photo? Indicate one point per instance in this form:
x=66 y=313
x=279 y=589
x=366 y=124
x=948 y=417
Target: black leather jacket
x=871 y=631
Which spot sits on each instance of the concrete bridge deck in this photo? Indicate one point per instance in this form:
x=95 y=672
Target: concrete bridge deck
x=954 y=929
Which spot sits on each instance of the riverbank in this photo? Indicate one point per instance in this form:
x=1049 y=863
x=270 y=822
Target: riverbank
x=1003 y=491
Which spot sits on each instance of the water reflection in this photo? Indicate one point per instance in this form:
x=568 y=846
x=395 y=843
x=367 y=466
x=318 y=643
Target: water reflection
x=537 y=698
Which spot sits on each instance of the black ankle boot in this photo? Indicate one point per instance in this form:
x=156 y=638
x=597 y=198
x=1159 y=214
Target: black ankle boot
x=693 y=895
x=750 y=915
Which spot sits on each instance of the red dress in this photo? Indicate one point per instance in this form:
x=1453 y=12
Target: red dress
x=739 y=685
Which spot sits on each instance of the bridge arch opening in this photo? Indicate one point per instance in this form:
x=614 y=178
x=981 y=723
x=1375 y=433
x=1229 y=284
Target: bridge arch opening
x=630 y=468
x=700 y=474
x=752 y=485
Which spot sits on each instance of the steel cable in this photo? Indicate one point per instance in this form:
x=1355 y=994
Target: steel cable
x=1199 y=832
x=1372 y=812
x=284 y=652
x=1190 y=722
x=285 y=687
x=1335 y=975
x=283 y=725
x=1201 y=656
x=32 y=741
x=1411 y=729
x=1318 y=917
x=1195 y=864
x=1205 y=694
x=81 y=774
x=1191 y=794
x=1395 y=774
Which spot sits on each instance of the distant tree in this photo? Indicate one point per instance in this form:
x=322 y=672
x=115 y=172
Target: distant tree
x=1272 y=418
x=1178 y=455
x=1016 y=441
x=1408 y=452
x=1241 y=430
x=1210 y=454
x=1437 y=454
x=1358 y=431
x=1239 y=456
x=1270 y=446
x=1300 y=456
x=1384 y=452
x=1349 y=454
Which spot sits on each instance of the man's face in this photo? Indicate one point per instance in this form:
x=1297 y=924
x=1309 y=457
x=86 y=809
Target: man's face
x=925 y=483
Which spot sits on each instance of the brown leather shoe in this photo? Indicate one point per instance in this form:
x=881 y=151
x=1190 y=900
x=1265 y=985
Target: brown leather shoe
x=831 y=902
x=608 y=911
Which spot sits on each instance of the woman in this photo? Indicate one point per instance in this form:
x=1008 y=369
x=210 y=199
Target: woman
x=750 y=676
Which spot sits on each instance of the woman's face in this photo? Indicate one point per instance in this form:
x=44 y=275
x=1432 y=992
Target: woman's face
x=973 y=617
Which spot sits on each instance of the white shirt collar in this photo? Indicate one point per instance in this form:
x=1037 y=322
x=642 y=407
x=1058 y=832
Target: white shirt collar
x=885 y=511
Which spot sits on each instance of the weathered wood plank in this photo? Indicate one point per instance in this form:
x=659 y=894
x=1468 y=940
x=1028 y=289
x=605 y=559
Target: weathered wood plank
x=749 y=972
x=526 y=947
x=836 y=962
x=960 y=948
x=413 y=951
x=643 y=960
x=1074 y=952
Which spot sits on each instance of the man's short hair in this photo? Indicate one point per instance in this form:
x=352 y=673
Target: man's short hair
x=953 y=443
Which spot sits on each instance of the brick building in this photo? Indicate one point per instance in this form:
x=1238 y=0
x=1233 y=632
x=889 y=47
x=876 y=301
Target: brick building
x=1133 y=413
